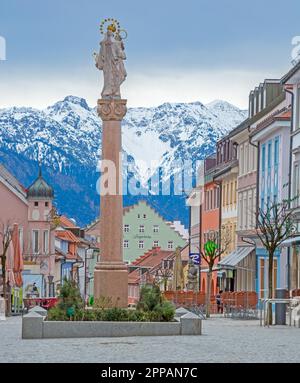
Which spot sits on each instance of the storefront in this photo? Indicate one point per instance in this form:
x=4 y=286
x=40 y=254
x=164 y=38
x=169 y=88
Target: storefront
x=294 y=245
x=237 y=270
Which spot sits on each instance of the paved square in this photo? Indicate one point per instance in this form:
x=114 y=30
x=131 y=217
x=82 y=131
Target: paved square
x=223 y=340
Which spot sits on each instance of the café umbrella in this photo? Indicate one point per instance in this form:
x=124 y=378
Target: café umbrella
x=178 y=271
x=18 y=258
x=9 y=266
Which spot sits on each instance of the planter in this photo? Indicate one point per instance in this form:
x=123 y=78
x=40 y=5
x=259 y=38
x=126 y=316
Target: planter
x=34 y=326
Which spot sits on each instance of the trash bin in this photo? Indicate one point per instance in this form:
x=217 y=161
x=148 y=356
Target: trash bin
x=280 y=308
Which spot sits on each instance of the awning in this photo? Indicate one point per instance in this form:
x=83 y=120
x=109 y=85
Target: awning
x=234 y=258
x=290 y=242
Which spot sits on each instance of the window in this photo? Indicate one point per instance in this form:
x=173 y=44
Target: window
x=227 y=194
x=36 y=203
x=298 y=110
x=262 y=278
x=46 y=203
x=274 y=275
x=126 y=228
x=296 y=185
x=276 y=151
x=141 y=244
x=215 y=198
x=155 y=228
x=263 y=158
x=155 y=243
x=139 y=216
x=45 y=241
x=35 y=241
x=269 y=156
x=218 y=197
x=246 y=154
x=234 y=192
x=246 y=211
x=170 y=245
x=241 y=211
x=21 y=238
x=142 y=229
x=126 y=244
x=242 y=159
x=250 y=223
x=144 y=216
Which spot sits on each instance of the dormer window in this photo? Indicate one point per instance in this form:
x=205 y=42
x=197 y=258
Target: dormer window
x=36 y=204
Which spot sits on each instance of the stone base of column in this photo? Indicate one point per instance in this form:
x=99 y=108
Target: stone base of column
x=111 y=284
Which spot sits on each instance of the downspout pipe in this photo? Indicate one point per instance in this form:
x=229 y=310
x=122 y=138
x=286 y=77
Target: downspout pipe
x=257 y=200
x=290 y=183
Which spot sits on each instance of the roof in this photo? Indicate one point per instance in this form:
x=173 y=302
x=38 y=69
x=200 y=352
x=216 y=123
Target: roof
x=60 y=254
x=40 y=189
x=66 y=235
x=290 y=73
x=149 y=260
x=283 y=114
x=249 y=121
x=66 y=222
x=234 y=258
x=291 y=241
x=152 y=257
x=12 y=181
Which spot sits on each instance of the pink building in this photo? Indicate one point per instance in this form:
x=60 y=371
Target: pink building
x=31 y=209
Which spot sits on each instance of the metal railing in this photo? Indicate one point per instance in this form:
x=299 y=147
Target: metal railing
x=263 y=303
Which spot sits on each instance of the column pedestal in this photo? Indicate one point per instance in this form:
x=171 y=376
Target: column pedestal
x=111 y=275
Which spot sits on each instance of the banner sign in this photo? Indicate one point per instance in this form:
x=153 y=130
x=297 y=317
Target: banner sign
x=196 y=258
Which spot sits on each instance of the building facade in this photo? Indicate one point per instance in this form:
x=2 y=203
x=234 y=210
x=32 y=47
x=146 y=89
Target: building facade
x=31 y=209
x=143 y=229
x=291 y=83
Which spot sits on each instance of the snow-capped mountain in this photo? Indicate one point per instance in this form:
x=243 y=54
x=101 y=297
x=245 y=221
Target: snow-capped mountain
x=66 y=137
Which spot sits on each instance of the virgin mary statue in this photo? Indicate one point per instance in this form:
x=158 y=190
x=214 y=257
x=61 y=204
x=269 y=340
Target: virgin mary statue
x=110 y=60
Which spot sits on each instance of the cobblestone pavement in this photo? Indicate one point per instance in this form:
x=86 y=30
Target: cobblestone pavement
x=223 y=340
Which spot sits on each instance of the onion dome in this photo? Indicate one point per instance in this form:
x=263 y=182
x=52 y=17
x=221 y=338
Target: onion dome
x=40 y=188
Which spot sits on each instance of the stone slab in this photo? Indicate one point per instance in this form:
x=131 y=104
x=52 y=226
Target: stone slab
x=32 y=326
x=53 y=329
x=180 y=311
x=191 y=324
x=2 y=308
x=39 y=310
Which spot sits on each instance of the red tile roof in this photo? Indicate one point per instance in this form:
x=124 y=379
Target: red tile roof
x=150 y=259
x=67 y=236
x=66 y=222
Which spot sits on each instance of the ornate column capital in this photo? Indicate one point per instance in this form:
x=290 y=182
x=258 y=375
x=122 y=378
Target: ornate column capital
x=111 y=109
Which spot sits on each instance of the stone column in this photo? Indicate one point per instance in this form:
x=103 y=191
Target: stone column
x=111 y=276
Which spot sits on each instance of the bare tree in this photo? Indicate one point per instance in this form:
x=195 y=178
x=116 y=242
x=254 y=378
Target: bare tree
x=275 y=224
x=213 y=250
x=5 y=238
x=163 y=275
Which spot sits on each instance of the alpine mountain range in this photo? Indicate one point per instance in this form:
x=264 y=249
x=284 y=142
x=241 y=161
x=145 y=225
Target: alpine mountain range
x=66 y=139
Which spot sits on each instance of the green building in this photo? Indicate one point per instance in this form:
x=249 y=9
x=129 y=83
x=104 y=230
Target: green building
x=144 y=228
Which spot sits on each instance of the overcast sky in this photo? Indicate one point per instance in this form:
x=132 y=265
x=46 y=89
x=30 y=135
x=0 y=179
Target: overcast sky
x=177 y=51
